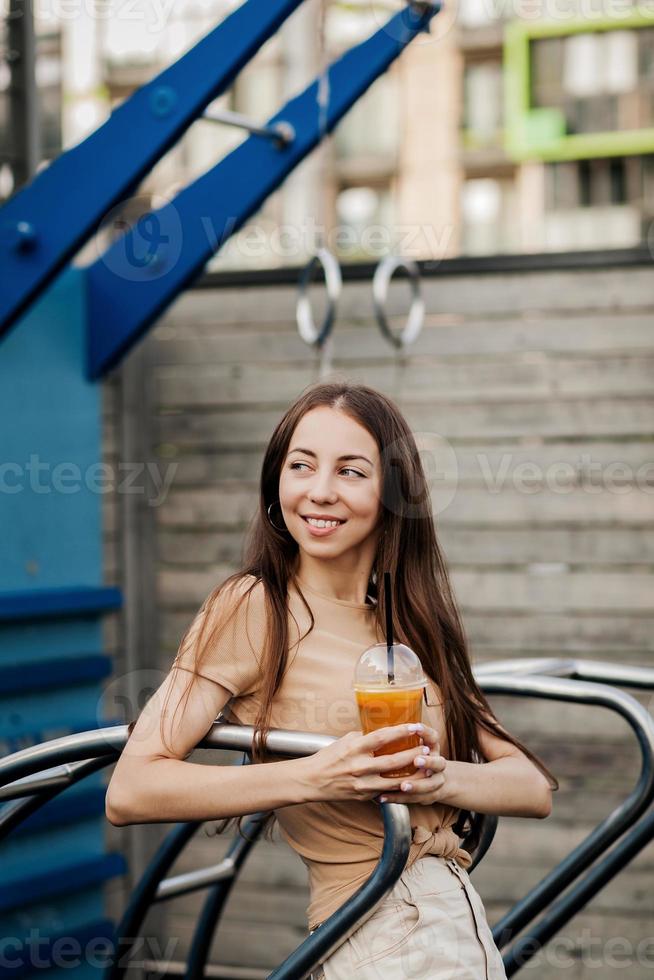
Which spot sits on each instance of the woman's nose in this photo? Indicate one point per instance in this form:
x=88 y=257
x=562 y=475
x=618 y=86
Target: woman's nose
x=322 y=489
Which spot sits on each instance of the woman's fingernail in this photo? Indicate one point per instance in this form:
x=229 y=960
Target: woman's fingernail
x=420 y=761
x=428 y=772
x=406 y=787
x=416 y=727
x=382 y=799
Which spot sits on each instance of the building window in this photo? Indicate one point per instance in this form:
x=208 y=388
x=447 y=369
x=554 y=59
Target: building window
x=602 y=82
x=598 y=203
x=592 y=183
x=489 y=216
x=364 y=223
x=371 y=129
x=482 y=104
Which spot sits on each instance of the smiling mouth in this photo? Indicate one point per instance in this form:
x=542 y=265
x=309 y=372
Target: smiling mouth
x=323 y=525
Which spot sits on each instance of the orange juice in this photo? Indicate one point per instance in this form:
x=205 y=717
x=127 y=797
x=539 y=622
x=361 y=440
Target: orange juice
x=385 y=707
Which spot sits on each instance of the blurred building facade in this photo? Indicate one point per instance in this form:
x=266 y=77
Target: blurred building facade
x=420 y=165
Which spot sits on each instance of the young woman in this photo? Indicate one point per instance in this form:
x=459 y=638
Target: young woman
x=343 y=497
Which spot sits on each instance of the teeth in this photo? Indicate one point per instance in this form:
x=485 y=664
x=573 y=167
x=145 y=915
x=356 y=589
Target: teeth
x=317 y=523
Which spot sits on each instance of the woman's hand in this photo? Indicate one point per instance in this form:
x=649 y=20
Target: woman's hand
x=348 y=768
x=429 y=785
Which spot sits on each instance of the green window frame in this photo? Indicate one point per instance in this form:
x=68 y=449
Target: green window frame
x=539 y=133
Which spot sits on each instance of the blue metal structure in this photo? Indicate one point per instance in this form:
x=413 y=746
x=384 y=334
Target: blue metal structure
x=52 y=600
x=69 y=326
x=43 y=224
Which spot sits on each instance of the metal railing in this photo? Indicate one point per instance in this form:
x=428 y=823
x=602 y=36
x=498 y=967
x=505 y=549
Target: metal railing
x=28 y=783
x=33 y=776
x=577 y=681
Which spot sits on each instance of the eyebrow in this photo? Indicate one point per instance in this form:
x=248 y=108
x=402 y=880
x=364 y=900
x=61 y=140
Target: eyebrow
x=310 y=452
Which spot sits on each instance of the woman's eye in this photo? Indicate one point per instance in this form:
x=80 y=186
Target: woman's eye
x=346 y=469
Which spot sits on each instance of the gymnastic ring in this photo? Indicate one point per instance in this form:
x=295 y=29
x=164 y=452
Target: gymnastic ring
x=380 y=283
x=333 y=284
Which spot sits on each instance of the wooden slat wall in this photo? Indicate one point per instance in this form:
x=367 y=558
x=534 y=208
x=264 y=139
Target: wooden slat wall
x=532 y=393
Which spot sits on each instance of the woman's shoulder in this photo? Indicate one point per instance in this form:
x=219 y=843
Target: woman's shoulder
x=242 y=582
x=238 y=585
x=247 y=593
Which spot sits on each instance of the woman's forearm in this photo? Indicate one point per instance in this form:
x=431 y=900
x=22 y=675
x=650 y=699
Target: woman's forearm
x=509 y=787
x=172 y=790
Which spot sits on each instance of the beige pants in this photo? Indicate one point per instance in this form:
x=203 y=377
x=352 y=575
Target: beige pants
x=432 y=924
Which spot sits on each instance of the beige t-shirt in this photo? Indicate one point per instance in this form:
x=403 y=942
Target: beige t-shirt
x=340 y=842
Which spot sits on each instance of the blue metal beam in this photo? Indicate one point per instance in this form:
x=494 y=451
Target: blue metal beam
x=144 y=271
x=51 y=603
x=29 y=675
x=43 y=885
x=46 y=222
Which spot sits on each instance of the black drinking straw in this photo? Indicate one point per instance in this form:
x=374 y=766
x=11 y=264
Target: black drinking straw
x=389 y=626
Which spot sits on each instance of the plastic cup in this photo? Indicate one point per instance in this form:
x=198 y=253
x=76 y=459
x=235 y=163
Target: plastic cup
x=383 y=702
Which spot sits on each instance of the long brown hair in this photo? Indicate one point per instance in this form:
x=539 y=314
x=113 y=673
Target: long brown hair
x=425 y=613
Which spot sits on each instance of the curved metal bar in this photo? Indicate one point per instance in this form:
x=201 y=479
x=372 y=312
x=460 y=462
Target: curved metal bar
x=193 y=881
x=360 y=906
x=69 y=748
x=217 y=897
x=562 y=911
x=109 y=742
x=126 y=933
x=20 y=809
x=601 y=671
x=333 y=283
x=281 y=741
x=542 y=666
x=380 y=283
x=40 y=782
x=609 y=829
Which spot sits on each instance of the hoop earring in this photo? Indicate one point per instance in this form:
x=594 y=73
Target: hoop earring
x=271 y=520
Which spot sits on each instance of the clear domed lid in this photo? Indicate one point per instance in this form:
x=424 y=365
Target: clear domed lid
x=371 y=670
